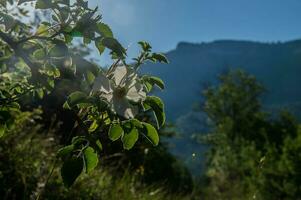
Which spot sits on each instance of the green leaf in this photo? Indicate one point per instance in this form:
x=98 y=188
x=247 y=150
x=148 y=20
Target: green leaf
x=90 y=158
x=86 y=40
x=90 y=77
x=114 y=45
x=66 y=2
x=115 y=132
x=23 y=1
x=151 y=133
x=148 y=86
x=160 y=57
x=99 y=145
x=71 y=169
x=66 y=106
x=65 y=151
x=76 y=33
x=76 y=98
x=68 y=38
x=83 y=4
x=2 y=130
x=64 y=13
x=104 y=30
x=93 y=126
x=39 y=54
x=99 y=45
x=8 y=21
x=58 y=50
x=40 y=93
x=43 y=4
x=150 y=81
x=130 y=138
x=42 y=30
x=157 y=81
x=136 y=123
x=158 y=107
x=77 y=140
x=145 y=46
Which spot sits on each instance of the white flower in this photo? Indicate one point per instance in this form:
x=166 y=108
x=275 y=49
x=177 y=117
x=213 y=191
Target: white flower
x=119 y=88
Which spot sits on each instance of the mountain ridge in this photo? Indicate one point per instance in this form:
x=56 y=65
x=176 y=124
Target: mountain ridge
x=275 y=64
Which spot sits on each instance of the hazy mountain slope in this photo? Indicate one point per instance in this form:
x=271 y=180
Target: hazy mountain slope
x=277 y=65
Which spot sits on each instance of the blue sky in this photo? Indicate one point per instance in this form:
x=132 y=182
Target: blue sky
x=164 y=23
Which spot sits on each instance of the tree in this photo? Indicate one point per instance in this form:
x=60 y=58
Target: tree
x=38 y=56
x=253 y=154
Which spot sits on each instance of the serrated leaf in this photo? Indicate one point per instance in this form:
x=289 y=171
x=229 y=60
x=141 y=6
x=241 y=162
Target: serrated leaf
x=42 y=30
x=158 y=107
x=151 y=133
x=104 y=30
x=157 y=81
x=145 y=46
x=99 y=45
x=148 y=86
x=71 y=169
x=130 y=138
x=115 y=132
x=90 y=158
x=93 y=126
x=150 y=81
x=76 y=98
x=99 y=145
x=114 y=45
x=160 y=57
x=65 y=151
x=39 y=54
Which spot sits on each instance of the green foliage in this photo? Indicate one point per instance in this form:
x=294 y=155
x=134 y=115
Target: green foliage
x=156 y=104
x=129 y=138
x=151 y=133
x=150 y=81
x=90 y=158
x=40 y=60
x=71 y=169
x=115 y=132
x=252 y=155
x=24 y=168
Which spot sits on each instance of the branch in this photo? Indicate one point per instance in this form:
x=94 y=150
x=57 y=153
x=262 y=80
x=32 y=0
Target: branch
x=19 y=52
x=6 y=38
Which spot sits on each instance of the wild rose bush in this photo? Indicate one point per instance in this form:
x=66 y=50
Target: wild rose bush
x=37 y=54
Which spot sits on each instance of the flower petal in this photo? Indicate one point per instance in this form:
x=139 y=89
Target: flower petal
x=119 y=74
x=124 y=108
x=136 y=93
x=102 y=84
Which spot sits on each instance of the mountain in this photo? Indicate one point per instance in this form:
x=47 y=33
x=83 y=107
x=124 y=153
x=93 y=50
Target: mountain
x=276 y=65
